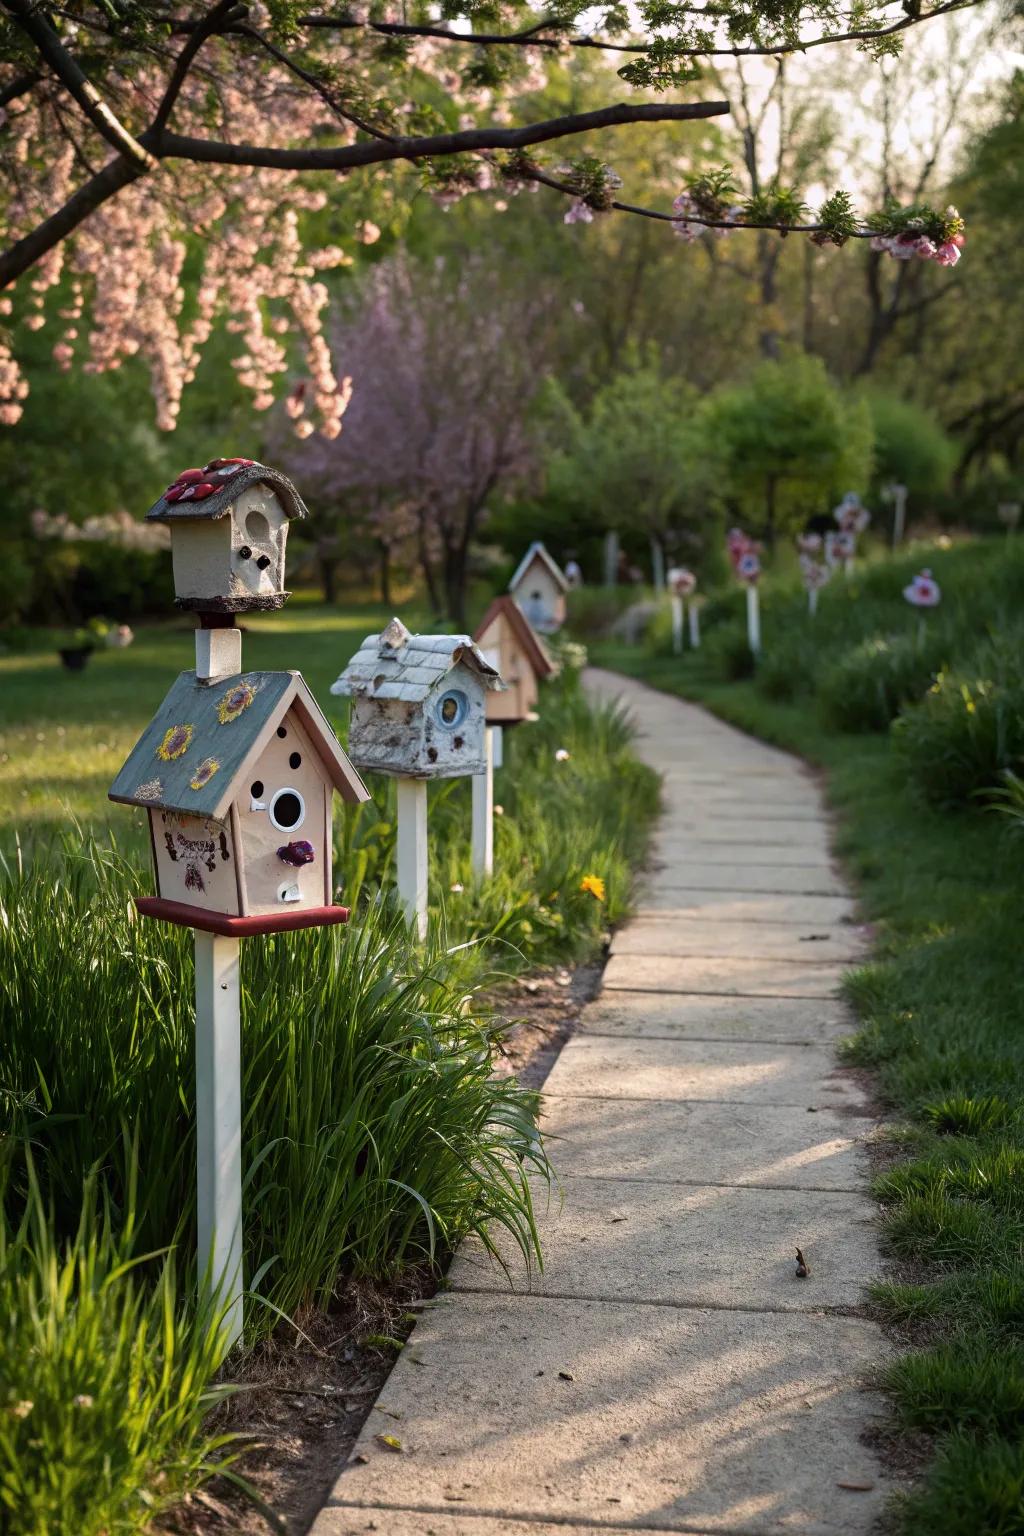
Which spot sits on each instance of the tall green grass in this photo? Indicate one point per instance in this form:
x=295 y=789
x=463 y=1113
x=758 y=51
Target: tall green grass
x=105 y=1379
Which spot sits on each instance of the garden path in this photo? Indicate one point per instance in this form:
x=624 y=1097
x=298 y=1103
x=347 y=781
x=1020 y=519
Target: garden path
x=668 y=1371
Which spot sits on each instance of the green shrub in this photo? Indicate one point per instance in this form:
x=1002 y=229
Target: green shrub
x=961 y=737
x=963 y=1116
x=865 y=689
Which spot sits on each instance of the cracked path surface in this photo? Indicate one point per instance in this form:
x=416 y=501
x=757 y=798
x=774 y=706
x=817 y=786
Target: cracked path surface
x=667 y=1371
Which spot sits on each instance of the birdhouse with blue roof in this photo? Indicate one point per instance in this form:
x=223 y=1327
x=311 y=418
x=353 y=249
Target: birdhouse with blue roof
x=237 y=777
x=418 y=704
x=229 y=527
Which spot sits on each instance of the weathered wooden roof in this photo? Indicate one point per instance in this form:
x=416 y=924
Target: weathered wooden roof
x=230 y=480
x=536 y=652
x=205 y=737
x=537 y=551
x=398 y=665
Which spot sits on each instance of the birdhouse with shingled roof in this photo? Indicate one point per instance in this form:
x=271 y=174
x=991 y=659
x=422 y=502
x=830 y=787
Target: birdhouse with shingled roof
x=509 y=643
x=229 y=526
x=539 y=588
x=418 y=704
x=237 y=777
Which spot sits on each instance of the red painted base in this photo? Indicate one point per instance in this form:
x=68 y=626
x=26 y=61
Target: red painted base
x=238 y=927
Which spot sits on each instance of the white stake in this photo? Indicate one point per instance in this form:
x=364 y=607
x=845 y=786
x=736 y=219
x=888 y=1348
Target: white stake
x=411 y=852
x=899 y=521
x=753 y=620
x=677 y=625
x=483 y=812
x=812 y=601
x=499 y=746
x=693 y=614
x=219 y=1126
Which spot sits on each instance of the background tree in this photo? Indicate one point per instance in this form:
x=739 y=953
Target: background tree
x=786 y=442
x=633 y=464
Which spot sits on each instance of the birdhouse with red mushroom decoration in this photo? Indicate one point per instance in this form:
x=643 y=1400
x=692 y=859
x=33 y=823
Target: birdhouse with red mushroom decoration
x=237 y=779
x=229 y=527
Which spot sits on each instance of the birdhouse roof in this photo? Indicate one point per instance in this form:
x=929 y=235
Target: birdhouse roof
x=205 y=737
x=211 y=492
x=532 y=646
x=537 y=551
x=398 y=665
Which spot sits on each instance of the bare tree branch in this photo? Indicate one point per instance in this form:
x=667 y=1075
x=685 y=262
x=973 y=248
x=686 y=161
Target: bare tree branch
x=214 y=21
x=348 y=157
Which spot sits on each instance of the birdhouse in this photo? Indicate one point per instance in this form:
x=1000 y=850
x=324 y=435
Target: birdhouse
x=506 y=639
x=237 y=777
x=539 y=588
x=229 y=526
x=418 y=704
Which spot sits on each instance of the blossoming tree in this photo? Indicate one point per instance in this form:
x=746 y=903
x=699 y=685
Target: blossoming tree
x=142 y=138
x=444 y=373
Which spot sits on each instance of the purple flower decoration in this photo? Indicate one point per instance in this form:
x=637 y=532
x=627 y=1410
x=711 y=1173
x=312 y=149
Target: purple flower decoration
x=297 y=853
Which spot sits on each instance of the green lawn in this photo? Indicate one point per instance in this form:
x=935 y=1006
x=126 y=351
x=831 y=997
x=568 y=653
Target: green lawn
x=64 y=735
x=941 y=1008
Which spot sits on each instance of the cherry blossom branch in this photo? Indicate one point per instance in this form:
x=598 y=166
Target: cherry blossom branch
x=34 y=24
x=319 y=86
x=618 y=206
x=172 y=146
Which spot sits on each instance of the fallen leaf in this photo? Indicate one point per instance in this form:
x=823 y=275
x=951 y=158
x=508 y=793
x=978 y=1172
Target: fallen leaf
x=566 y=1376
x=361 y=1457
x=853 y=1487
x=392 y=1442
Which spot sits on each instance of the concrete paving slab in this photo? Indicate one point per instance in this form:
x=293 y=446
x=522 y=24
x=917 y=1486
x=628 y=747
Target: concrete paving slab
x=728 y=908
x=747 y=831
x=608 y=1240
x=680 y=1016
x=682 y=850
x=713 y=874
x=733 y=978
x=677 y=935
x=607 y=1067
x=338 y=1521
x=706 y=1421
x=769 y=1145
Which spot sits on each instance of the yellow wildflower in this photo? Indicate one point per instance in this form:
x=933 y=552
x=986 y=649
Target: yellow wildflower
x=594 y=886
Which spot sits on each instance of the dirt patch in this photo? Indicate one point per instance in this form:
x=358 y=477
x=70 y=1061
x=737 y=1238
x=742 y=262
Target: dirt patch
x=307 y=1396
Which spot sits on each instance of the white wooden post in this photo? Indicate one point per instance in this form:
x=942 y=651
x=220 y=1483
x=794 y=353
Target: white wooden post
x=483 y=812
x=411 y=852
x=498 y=748
x=219 y=1127
x=812 y=601
x=693 y=614
x=657 y=564
x=219 y=1072
x=611 y=558
x=899 y=521
x=753 y=619
x=677 y=625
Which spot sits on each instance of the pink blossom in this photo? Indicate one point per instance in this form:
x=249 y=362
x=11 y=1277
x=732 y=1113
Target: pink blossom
x=948 y=255
x=578 y=213
x=367 y=232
